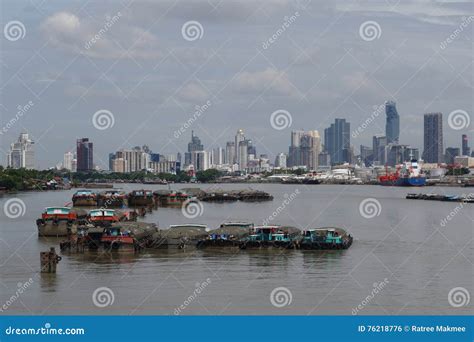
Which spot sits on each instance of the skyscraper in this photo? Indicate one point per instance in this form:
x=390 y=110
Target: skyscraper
x=22 y=153
x=230 y=152
x=392 y=125
x=67 y=160
x=193 y=145
x=84 y=153
x=239 y=137
x=433 y=138
x=337 y=141
x=450 y=154
x=378 y=147
x=243 y=156
x=466 y=151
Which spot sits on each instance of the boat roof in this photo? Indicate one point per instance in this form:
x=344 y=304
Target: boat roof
x=327 y=229
x=96 y=212
x=188 y=225
x=84 y=191
x=227 y=224
x=53 y=210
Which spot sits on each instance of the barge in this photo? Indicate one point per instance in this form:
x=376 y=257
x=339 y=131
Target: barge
x=173 y=199
x=228 y=235
x=112 y=199
x=84 y=198
x=325 y=238
x=57 y=221
x=140 y=198
x=180 y=236
x=270 y=237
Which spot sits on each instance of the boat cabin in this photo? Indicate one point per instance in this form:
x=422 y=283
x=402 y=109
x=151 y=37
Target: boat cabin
x=326 y=235
x=58 y=213
x=268 y=233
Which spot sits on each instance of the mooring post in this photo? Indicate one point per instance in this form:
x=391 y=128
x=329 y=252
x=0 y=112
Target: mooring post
x=49 y=260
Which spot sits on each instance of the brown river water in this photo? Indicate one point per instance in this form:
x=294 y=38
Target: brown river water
x=408 y=257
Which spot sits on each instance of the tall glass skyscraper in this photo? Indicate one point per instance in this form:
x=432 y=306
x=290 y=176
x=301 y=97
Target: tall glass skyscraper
x=433 y=138
x=85 y=154
x=337 y=141
x=392 y=125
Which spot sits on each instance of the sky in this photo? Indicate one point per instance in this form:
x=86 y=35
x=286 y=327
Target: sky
x=158 y=69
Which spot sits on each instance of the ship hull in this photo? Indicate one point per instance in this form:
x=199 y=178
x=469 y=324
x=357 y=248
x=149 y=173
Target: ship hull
x=405 y=181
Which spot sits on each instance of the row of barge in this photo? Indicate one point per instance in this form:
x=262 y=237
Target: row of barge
x=444 y=198
x=166 y=198
x=107 y=229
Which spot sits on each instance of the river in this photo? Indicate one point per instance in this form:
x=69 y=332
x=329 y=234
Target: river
x=406 y=257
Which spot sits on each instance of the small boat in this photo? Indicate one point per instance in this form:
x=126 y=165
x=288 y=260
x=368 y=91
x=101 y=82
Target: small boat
x=56 y=221
x=414 y=196
x=325 y=238
x=254 y=196
x=140 y=198
x=270 y=237
x=168 y=198
x=112 y=199
x=84 y=198
x=229 y=234
x=180 y=236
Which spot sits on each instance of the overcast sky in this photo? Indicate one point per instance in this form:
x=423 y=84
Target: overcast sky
x=150 y=73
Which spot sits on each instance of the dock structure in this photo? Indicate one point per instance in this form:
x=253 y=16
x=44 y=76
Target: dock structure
x=49 y=261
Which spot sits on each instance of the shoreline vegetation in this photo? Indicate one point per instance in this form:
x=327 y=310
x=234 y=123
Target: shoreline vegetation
x=13 y=180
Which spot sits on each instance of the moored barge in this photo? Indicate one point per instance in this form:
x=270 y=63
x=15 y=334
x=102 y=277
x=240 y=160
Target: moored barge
x=180 y=236
x=84 y=198
x=325 y=238
x=112 y=199
x=56 y=221
x=280 y=237
x=140 y=198
x=228 y=235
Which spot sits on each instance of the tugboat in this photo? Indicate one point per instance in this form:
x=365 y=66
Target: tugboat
x=56 y=221
x=270 y=237
x=325 y=238
x=228 y=235
x=408 y=174
x=112 y=199
x=84 y=198
x=180 y=236
x=173 y=199
x=140 y=198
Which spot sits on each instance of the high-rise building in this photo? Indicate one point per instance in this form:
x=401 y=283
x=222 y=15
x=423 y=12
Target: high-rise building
x=217 y=156
x=67 y=160
x=194 y=145
x=366 y=155
x=243 y=156
x=200 y=160
x=84 y=153
x=433 y=138
x=230 y=152
x=392 y=124
x=133 y=160
x=451 y=153
x=22 y=153
x=280 y=160
x=378 y=147
x=466 y=151
x=304 y=149
x=294 y=149
x=337 y=141
x=239 y=137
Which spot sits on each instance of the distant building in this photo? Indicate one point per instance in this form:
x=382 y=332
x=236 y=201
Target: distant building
x=85 y=155
x=466 y=151
x=280 y=161
x=194 y=145
x=392 y=125
x=154 y=157
x=451 y=153
x=464 y=161
x=166 y=166
x=230 y=152
x=200 y=160
x=304 y=149
x=366 y=155
x=22 y=154
x=133 y=160
x=378 y=147
x=324 y=159
x=239 y=137
x=218 y=156
x=242 y=156
x=433 y=138
x=337 y=141
x=67 y=160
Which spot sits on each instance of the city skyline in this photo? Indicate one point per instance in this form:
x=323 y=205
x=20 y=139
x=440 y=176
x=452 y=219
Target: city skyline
x=152 y=88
